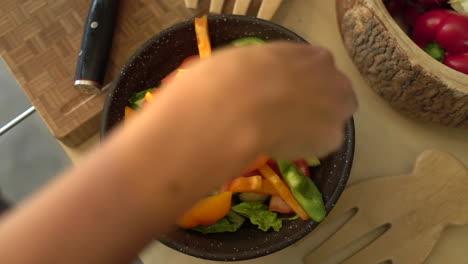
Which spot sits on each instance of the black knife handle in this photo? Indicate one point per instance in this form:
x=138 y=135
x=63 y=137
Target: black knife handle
x=96 y=45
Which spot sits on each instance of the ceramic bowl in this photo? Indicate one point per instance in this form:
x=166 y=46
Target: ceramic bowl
x=158 y=57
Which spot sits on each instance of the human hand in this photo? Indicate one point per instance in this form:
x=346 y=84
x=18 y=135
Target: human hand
x=291 y=95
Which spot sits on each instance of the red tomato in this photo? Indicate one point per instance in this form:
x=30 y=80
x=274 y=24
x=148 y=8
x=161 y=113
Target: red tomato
x=279 y=205
x=427 y=26
x=303 y=167
x=412 y=14
x=458 y=62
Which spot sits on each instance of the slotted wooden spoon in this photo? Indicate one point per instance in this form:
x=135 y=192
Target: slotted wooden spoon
x=266 y=11
x=405 y=214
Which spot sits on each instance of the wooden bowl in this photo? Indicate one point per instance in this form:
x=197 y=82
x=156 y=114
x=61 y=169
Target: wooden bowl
x=160 y=56
x=397 y=69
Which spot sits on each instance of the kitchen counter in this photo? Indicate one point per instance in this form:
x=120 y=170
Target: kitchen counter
x=387 y=143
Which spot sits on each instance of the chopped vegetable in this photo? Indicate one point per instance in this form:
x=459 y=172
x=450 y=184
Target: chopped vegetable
x=203 y=37
x=290 y=218
x=246 y=184
x=230 y=223
x=248 y=41
x=259 y=162
x=283 y=191
x=253 y=197
x=149 y=97
x=259 y=215
x=137 y=99
x=279 y=205
x=180 y=72
x=313 y=161
x=304 y=190
x=303 y=166
x=252 y=184
x=207 y=211
x=129 y=113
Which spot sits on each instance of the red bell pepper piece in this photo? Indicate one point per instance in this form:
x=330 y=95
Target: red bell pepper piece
x=443 y=33
x=303 y=167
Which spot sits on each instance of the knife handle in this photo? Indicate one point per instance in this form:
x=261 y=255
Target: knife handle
x=96 y=45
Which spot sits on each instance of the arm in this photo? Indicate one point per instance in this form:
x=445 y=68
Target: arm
x=201 y=132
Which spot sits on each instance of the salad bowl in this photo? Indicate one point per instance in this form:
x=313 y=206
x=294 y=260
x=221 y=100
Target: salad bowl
x=161 y=55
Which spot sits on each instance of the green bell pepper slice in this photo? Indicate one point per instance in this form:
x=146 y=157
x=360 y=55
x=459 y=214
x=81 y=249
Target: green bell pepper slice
x=304 y=190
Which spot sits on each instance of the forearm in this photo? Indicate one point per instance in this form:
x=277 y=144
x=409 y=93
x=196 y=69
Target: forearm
x=132 y=189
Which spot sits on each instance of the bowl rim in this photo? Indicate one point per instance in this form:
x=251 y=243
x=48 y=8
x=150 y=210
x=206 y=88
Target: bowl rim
x=348 y=149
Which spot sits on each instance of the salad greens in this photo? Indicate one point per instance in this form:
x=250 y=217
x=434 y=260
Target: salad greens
x=259 y=215
x=230 y=223
x=138 y=98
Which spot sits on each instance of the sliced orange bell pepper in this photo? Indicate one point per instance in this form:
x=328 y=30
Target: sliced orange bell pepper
x=207 y=211
x=203 y=37
x=246 y=184
x=180 y=72
x=129 y=113
x=252 y=184
x=259 y=162
x=283 y=191
x=148 y=97
x=267 y=188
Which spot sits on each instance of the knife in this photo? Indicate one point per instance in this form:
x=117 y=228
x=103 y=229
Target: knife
x=96 y=45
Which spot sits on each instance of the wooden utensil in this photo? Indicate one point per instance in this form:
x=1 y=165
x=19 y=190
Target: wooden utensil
x=266 y=11
x=401 y=218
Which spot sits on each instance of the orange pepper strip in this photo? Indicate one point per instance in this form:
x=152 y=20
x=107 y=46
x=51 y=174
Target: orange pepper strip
x=129 y=113
x=251 y=184
x=267 y=188
x=259 y=162
x=207 y=211
x=283 y=191
x=246 y=184
x=149 y=97
x=203 y=37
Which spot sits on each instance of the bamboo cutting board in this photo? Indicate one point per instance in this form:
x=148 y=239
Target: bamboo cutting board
x=40 y=40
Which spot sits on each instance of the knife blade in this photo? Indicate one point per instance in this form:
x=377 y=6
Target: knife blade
x=96 y=45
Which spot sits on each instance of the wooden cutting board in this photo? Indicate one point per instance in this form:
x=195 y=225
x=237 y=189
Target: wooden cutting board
x=40 y=40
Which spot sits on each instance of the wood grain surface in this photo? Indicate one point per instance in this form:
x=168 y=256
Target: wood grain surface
x=40 y=40
x=410 y=210
x=397 y=69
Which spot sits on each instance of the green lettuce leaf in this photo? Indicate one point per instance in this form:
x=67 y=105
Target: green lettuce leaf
x=259 y=215
x=290 y=218
x=137 y=99
x=230 y=223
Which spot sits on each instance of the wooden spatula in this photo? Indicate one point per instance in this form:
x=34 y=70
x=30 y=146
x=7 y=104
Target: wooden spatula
x=397 y=219
x=266 y=11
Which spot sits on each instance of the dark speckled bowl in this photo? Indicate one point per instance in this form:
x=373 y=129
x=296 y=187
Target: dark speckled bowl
x=161 y=55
